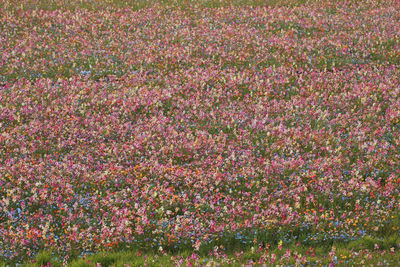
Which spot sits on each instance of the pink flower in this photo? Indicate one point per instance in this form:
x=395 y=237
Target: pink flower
x=273 y=258
x=197 y=245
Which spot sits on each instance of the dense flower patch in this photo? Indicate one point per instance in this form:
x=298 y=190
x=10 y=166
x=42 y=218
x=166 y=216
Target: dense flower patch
x=178 y=128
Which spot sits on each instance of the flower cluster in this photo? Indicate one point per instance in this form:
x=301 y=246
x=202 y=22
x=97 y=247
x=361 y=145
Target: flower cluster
x=175 y=128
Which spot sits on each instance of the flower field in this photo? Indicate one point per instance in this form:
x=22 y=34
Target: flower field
x=201 y=126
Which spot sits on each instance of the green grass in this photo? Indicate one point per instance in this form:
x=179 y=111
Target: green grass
x=355 y=252
x=140 y=4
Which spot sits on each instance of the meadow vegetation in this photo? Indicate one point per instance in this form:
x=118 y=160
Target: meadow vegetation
x=199 y=133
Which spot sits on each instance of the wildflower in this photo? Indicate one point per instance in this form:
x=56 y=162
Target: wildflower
x=280 y=244
x=197 y=245
x=273 y=258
